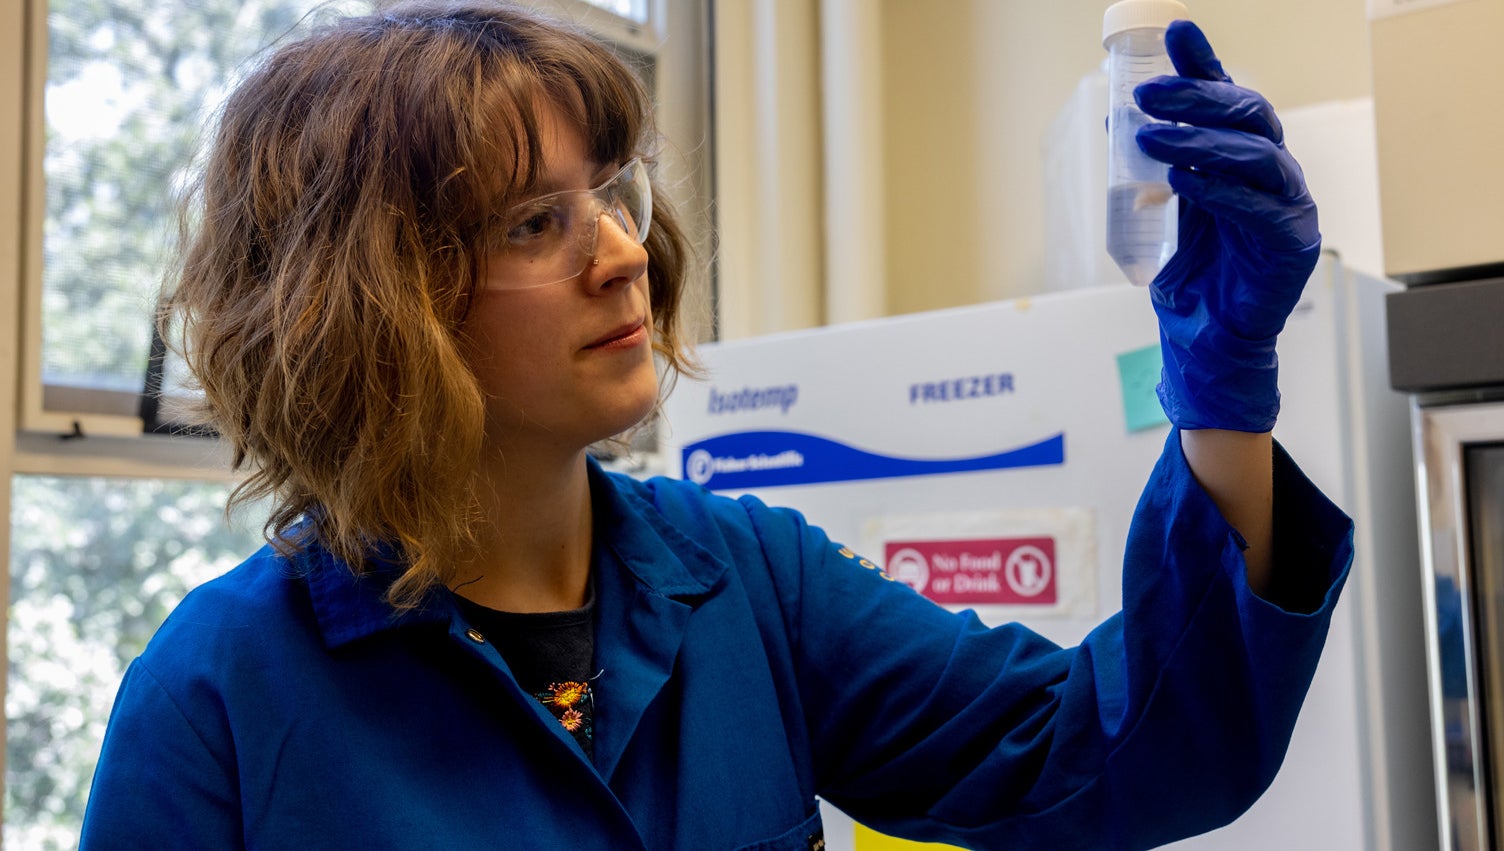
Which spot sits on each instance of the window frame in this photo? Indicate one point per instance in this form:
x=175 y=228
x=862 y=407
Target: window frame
x=645 y=37
x=65 y=410
x=89 y=412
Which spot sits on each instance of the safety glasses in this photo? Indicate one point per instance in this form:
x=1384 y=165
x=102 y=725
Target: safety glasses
x=552 y=238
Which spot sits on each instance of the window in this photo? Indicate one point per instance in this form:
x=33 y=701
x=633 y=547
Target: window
x=129 y=89
x=96 y=565
x=127 y=92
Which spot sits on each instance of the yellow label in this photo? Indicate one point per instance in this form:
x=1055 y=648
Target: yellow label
x=868 y=839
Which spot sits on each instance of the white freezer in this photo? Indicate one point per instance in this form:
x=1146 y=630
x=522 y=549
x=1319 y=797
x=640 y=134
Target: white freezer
x=1019 y=434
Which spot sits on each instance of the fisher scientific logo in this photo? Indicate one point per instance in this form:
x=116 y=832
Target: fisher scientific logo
x=749 y=399
x=760 y=459
x=701 y=466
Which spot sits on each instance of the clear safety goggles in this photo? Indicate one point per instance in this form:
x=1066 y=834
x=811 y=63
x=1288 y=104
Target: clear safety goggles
x=552 y=238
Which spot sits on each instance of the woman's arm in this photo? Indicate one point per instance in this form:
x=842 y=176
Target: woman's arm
x=1236 y=468
x=159 y=783
x=1167 y=720
x=1248 y=241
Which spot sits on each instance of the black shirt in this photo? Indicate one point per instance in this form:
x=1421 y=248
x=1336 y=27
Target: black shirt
x=550 y=654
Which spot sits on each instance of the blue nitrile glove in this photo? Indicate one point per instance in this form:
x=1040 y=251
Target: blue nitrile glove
x=1248 y=240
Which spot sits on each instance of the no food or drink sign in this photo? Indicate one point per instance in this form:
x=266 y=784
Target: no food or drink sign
x=987 y=571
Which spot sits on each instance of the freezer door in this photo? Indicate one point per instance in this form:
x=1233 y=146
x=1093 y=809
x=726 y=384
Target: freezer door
x=1461 y=480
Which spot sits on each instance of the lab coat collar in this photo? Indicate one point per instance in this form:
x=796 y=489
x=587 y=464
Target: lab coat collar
x=662 y=561
x=660 y=556
x=350 y=607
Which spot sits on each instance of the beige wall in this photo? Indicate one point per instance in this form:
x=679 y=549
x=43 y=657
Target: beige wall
x=970 y=86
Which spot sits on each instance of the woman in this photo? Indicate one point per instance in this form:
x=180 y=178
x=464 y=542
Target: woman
x=428 y=272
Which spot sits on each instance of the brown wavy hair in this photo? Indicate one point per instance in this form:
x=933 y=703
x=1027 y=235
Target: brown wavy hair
x=330 y=254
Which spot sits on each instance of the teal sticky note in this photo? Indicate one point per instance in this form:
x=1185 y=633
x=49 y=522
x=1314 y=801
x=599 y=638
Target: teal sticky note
x=1138 y=374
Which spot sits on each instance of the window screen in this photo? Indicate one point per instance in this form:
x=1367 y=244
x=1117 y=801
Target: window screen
x=130 y=88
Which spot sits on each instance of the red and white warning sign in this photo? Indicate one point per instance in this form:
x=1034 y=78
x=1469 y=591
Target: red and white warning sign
x=1007 y=571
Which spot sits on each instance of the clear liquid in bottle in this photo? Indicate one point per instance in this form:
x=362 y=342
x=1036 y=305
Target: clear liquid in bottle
x=1143 y=214
x=1142 y=224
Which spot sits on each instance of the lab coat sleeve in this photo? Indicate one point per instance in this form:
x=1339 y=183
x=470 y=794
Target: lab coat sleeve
x=160 y=783
x=1168 y=720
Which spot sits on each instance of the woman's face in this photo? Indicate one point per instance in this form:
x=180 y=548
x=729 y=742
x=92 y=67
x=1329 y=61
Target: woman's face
x=566 y=364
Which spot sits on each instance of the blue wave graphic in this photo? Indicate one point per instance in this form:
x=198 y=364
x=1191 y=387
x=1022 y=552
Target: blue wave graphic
x=759 y=459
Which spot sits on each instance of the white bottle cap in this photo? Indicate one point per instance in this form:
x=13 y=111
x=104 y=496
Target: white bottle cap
x=1127 y=15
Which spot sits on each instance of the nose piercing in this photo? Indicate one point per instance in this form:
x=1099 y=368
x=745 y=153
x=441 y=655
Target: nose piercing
x=596 y=262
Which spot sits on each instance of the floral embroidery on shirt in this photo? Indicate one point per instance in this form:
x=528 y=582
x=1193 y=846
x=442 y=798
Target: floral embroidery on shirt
x=572 y=703
x=566 y=694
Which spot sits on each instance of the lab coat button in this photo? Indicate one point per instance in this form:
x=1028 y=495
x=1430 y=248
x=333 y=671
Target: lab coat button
x=474 y=635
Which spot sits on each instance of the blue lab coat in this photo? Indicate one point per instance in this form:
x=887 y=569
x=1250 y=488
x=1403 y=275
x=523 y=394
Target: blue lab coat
x=749 y=664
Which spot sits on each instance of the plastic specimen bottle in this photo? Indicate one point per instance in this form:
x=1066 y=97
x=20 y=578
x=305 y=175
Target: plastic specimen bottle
x=1142 y=211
